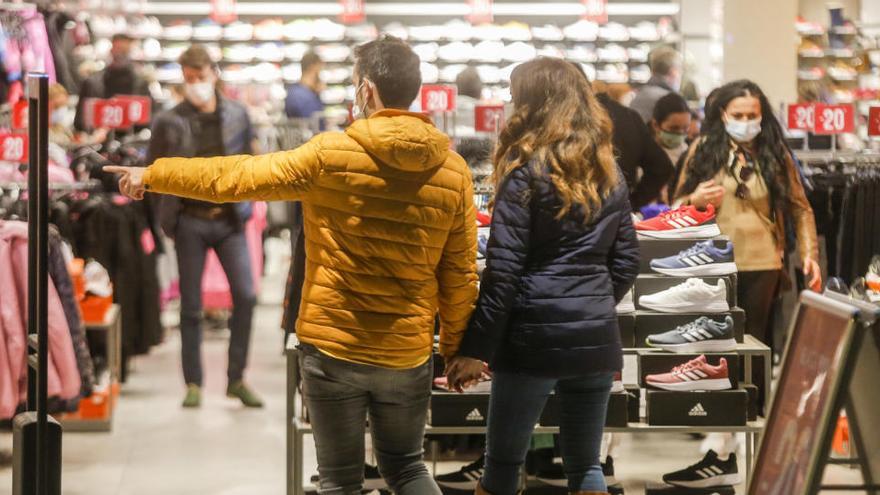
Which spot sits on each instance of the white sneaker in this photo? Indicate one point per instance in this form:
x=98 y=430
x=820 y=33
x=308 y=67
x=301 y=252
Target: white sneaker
x=626 y=304
x=519 y=51
x=694 y=295
x=489 y=51
x=430 y=73
x=427 y=52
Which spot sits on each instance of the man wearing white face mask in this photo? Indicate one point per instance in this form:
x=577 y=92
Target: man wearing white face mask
x=206 y=124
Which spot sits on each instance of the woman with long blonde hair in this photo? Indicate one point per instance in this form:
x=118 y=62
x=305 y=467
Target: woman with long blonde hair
x=561 y=255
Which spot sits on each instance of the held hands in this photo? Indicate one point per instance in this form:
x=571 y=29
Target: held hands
x=813 y=274
x=707 y=193
x=131 y=182
x=462 y=372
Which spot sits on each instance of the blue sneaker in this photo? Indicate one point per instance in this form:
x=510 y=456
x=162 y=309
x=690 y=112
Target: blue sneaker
x=703 y=259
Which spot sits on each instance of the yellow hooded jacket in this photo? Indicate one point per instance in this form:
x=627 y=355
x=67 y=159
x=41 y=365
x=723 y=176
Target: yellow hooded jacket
x=390 y=232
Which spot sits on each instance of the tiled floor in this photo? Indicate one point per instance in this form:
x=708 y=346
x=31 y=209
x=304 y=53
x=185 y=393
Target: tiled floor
x=222 y=449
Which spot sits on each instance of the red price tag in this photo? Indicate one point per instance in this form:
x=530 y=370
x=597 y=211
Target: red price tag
x=596 y=11
x=801 y=117
x=137 y=108
x=438 y=98
x=352 y=11
x=488 y=118
x=481 y=11
x=111 y=114
x=14 y=147
x=20 y=115
x=223 y=11
x=835 y=119
x=874 y=121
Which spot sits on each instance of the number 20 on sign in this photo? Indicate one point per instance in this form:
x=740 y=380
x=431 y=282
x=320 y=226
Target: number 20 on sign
x=438 y=98
x=13 y=147
x=835 y=119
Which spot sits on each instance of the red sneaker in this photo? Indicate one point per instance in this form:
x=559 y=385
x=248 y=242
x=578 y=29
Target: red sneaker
x=686 y=222
x=696 y=374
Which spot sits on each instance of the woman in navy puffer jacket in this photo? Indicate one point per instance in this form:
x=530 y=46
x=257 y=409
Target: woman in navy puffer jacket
x=561 y=255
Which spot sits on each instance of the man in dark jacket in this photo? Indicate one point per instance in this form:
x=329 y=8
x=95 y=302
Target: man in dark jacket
x=636 y=149
x=207 y=124
x=666 y=72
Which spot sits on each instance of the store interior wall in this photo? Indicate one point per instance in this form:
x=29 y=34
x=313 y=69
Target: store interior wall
x=760 y=43
x=701 y=25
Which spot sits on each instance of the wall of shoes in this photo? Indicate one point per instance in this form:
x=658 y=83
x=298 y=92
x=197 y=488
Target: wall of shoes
x=263 y=47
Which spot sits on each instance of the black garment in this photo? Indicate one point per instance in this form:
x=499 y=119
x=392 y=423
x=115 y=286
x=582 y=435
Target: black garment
x=636 y=149
x=60 y=27
x=208 y=136
x=549 y=290
x=757 y=294
x=106 y=84
x=296 y=277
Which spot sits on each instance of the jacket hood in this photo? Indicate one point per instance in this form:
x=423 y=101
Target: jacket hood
x=403 y=140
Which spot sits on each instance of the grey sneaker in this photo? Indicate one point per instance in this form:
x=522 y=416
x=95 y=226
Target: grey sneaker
x=702 y=335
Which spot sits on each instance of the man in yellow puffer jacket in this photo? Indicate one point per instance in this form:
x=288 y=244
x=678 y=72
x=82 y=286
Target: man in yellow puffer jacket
x=390 y=241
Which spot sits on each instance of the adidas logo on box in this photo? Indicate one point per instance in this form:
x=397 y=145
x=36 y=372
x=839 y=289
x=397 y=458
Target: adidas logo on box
x=698 y=411
x=475 y=415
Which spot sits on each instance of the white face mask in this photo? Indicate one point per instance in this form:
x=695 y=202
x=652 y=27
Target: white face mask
x=357 y=111
x=743 y=131
x=199 y=93
x=59 y=116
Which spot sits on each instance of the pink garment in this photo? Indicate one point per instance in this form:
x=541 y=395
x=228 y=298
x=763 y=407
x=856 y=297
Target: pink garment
x=64 y=379
x=33 y=54
x=215 y=287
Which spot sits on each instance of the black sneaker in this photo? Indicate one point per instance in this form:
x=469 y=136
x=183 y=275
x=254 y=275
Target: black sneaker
x=702 y=335
x=465 y=478
x=710 y=472
x=555 y=476
x=372 y=479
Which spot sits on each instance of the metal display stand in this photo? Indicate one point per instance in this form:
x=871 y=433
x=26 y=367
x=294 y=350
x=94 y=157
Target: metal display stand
x=112 y=327
x=298 y=427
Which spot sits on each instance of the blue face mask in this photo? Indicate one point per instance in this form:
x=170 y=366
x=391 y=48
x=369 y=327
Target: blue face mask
x=743 y=131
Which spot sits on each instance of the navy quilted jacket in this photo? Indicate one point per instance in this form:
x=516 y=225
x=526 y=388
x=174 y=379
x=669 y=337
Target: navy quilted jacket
x=550 y=286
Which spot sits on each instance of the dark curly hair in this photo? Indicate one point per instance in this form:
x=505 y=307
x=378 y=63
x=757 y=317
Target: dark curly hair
x=713 y=152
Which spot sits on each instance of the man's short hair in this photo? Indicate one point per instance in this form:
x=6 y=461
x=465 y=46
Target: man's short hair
x=663 y=59
x=469 y=83
x=196 y=57
x=309 y=60
x=392 y=67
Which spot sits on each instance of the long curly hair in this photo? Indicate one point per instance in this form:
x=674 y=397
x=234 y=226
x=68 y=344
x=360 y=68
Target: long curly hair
x=557 y=123
x=713 y=152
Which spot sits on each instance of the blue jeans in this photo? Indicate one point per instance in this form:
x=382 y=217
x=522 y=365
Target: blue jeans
x=340 y=395
x=515 y=407
x=193 y=238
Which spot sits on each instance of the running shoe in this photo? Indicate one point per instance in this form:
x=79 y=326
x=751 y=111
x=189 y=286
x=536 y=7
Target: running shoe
x=708 y=473
x=702 y=259
x=465 y=478
x=626 y=304
x=694 y=295
x=617 y=385
x=696 y=374
x=686 y=222
x=702 y=335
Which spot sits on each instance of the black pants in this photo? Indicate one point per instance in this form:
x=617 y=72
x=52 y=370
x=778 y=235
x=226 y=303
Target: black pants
x=757 y=293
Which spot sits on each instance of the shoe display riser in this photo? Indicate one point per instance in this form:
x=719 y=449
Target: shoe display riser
x=626 y=323
x=752 y=390
x=616 y=416
x=634 y=402
x=652 y=249
x=718 y=408
x=652 y=284
x=661 y=489
x=650 y=323
x=652 y=363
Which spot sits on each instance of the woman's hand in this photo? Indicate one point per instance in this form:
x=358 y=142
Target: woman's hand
x=131 y=182
x=813 y=274
x=707 y=193
x=462 y=372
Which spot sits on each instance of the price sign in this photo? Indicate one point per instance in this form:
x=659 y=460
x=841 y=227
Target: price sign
x=137 y=108
x=596 y=11
x=801 y=117
x=481 y=11
x=488 y=118
x=438 y=98
x=14 y=147
x=223 y=11
x=352 y=11
x=835 y=119
x=110 y=114
x=874 y=121
x=20 y=115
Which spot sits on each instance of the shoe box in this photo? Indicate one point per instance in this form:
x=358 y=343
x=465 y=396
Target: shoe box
x=633 y=403
x=617 y=415
x=650 y=323
x=627 y=324
x=657 y=362
x=663 y=489
x=652 y=249
x=753 y=392
x=717 y=408
x=652 y=284
x=454 y=409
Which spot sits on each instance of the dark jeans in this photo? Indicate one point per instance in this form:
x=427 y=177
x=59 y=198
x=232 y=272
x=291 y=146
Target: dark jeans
x=339 y=396
x=757 y=293
x=193 y=238
x=515 y=407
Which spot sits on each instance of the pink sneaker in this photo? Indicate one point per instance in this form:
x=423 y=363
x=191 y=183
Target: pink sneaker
x=697 y=374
